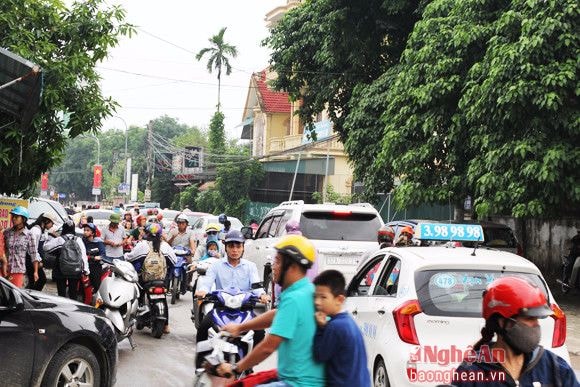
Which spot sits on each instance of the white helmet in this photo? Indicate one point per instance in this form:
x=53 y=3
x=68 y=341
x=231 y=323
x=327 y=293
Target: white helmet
x=182 y=218
x=49 y=215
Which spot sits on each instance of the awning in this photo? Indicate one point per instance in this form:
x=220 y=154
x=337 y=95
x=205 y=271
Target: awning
x=247 y=128
x=307 y=166
x=20 y=88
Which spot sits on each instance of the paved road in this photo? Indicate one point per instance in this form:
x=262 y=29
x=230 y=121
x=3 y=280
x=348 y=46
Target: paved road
x=168 y=361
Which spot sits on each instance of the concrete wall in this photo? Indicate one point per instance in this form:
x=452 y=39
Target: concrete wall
x=341 y=180
x=544 y=240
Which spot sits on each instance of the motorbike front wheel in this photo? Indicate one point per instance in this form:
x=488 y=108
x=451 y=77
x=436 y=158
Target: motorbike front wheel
x=174 y=290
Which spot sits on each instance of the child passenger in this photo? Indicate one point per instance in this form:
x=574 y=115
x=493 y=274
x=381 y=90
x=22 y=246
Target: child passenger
x=338 y=341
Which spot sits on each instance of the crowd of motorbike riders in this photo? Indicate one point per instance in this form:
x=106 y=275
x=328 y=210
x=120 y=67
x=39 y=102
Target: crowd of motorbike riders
x=318 y=343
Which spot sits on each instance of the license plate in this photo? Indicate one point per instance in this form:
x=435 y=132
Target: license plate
x=156 y=296
x=351 y=261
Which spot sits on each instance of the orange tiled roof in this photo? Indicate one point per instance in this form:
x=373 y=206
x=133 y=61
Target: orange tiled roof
x=274 y=101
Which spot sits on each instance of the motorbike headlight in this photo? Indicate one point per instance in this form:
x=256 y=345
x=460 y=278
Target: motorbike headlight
x=233 y=302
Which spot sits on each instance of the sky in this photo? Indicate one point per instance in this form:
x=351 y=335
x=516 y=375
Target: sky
x=169 y=34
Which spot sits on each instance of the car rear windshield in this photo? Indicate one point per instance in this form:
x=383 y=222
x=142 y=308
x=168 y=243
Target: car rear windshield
x=349 y=226
x=458 y=292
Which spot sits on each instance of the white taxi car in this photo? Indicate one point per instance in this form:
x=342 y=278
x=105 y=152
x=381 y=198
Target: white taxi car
x=419 y=308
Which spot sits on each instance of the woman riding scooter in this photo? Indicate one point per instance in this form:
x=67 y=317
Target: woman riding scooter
x=137 y=256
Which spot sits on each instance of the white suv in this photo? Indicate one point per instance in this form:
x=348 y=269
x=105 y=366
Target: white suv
x=342 y=235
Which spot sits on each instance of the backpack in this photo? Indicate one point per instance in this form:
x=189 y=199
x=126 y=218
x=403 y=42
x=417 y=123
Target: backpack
x=70 y=260
x=154 y=267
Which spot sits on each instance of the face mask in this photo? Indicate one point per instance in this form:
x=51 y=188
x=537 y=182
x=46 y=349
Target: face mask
x=522 y=338
x=212 y=237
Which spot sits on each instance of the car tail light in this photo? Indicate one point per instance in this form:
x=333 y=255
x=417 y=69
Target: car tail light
x=342 y=212
x=520 y=250
x=559 y=327
x=404 y=315
x=156 y=290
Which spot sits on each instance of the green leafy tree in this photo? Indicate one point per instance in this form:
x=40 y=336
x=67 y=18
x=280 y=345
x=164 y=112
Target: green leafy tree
x=323 y=49
x=217 y=136
x=485 y=103
x=234 y=181
x=332 y=196
x=219 y=53
x=67 y=42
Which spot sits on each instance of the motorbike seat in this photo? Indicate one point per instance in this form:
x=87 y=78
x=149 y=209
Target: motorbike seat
x=160 y=283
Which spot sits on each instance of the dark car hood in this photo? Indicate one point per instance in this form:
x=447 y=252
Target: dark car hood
x=43 y=300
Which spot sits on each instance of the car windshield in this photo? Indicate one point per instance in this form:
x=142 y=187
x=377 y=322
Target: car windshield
x=348 y=226
x=458 y=292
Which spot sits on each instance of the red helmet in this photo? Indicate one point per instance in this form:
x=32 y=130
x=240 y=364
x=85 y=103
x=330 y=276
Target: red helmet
x=140 y=218
x=511 y=296
x=408 y=229
x=386 y=233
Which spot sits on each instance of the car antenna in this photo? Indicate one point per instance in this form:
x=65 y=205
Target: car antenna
x=475 y=247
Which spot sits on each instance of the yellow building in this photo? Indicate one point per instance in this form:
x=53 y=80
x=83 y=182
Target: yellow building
x=279 y=141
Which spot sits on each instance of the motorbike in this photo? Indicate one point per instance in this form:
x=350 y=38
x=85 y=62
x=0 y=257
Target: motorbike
x=230 y=306
x=222 y=348
x=570 y=274
x=178 y=274
x=201 y=306
x=86 y=292
x=153 y=313
x=118 y=297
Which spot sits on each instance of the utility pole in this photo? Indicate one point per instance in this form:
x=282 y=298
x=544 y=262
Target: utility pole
x=149 y=161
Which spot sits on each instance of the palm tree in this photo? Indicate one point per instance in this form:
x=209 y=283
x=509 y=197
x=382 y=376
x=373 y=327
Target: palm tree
x=218 y=57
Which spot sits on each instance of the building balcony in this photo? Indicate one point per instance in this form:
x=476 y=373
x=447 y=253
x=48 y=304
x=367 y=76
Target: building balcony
x=279 y=144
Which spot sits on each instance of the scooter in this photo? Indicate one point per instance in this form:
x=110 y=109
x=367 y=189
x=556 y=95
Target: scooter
x=154 y=313
x=118 y=297
x=222 y=348
x=570 y=277
x=178 y=277
x=230 y=306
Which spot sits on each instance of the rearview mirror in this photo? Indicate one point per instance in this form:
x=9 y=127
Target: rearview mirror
x=247 y=232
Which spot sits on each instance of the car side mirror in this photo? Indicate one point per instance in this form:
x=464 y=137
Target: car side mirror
x=247 y=232
x=15 y=302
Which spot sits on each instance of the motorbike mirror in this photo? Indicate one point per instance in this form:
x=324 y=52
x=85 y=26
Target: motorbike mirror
x=247 y=232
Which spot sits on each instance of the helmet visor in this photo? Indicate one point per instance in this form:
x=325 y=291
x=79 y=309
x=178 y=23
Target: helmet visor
x=538 y=311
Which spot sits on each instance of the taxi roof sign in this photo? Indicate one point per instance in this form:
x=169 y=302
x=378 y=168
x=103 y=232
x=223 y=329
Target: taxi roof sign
x=449 y=232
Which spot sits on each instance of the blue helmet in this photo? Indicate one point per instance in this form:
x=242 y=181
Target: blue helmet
x=234 y=236
x=21 y=211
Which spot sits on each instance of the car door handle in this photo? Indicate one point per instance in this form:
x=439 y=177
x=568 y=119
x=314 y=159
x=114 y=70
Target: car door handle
x=381 y=311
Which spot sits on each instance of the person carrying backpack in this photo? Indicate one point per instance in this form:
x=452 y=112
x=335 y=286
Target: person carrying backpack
x=71 y=260
x=152 y=257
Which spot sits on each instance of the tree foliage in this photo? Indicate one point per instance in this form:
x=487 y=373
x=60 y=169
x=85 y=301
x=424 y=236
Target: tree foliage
x=217 y=136
x=67 y=42
x=483 y=100
x=484 y=103
x=323 y=49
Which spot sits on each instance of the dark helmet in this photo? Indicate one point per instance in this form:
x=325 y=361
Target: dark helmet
x=234 y=236
x=68 y=227
x=92 y=227
x=222 y=218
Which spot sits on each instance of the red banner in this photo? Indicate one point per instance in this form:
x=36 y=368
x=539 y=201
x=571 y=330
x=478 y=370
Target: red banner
x=44 y=182
x=97 y=176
